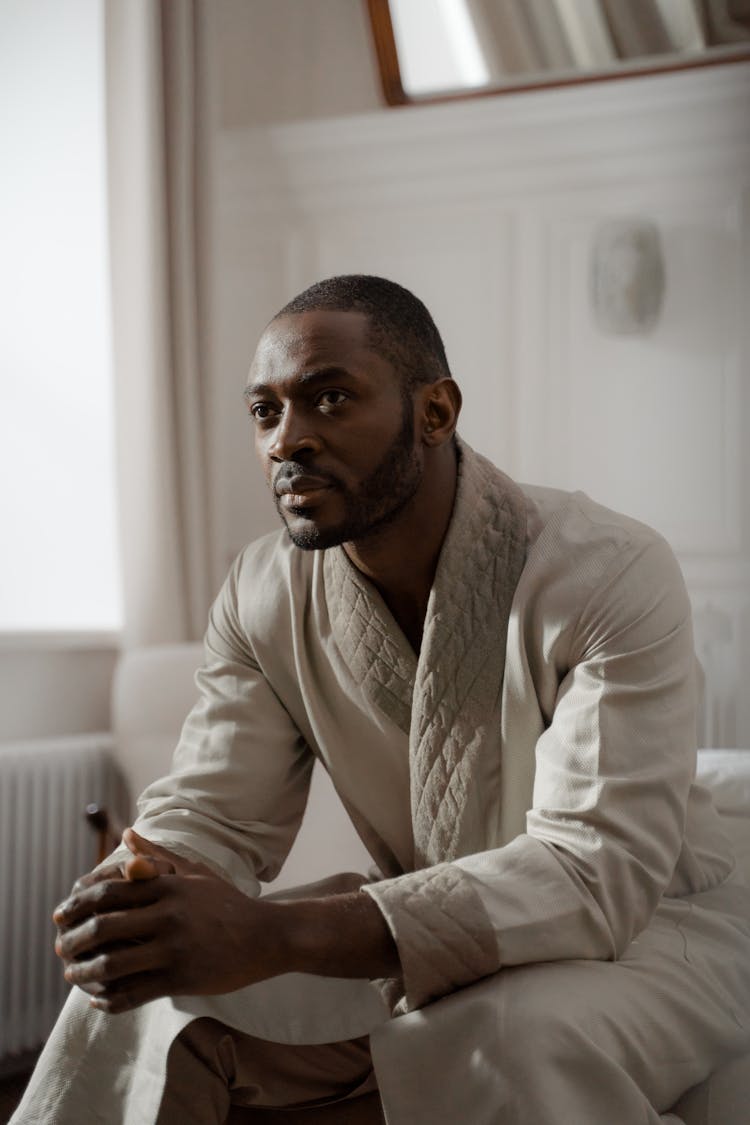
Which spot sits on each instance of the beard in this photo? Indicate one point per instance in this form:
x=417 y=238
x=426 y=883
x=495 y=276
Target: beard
x=374 y=503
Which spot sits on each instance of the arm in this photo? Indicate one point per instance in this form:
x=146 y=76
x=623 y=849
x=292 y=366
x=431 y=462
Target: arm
x=239 y=779
x=238 y=784
x=229 y=810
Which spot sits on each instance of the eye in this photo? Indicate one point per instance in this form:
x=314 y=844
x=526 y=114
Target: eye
x=328 y=400
x=261 y=411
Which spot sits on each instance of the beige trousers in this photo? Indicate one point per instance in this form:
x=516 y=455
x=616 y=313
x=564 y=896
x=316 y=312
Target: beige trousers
x=212 y=1068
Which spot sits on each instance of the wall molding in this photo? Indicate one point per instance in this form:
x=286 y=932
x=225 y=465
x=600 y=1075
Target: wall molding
x=536 y=144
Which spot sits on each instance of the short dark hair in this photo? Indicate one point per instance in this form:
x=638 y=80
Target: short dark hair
x=401 y=328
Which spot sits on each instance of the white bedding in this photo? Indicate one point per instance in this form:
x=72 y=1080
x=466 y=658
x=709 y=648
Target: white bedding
x=727 y=774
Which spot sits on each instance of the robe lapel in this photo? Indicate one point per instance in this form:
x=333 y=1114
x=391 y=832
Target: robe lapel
x=449 y=701
x=378 y=655
x=458 y=687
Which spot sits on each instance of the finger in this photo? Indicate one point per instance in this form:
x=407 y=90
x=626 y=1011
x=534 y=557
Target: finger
x=111 y=871
x=102 y=930
x=99 y=973
x=140 y=846
x=112 y=894
x=90 y=879
x=140 y=867
x=131 y=992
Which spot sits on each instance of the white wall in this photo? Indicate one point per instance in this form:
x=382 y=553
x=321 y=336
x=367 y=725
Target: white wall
x=285 y=60
x=487 y=210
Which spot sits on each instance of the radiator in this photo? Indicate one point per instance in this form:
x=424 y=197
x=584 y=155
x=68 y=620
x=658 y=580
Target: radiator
x=45 y=844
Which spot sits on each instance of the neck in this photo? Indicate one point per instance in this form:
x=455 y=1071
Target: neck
x=401 y=559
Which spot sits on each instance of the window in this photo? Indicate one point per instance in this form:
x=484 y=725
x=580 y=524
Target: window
x=59 y=563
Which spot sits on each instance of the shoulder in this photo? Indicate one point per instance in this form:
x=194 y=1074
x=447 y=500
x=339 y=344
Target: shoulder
x=267 y=581
x=557 y=521
x=573 y=526
x=582 y=556
x=572 y=517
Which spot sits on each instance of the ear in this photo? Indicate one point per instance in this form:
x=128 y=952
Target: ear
x=438 y=411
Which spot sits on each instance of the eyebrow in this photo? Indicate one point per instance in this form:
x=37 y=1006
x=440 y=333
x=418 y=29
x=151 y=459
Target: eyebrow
x=305 y=379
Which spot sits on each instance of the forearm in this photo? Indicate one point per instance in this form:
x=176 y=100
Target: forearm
x=343 y=935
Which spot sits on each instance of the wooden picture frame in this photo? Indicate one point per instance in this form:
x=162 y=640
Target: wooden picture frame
x=384 y=39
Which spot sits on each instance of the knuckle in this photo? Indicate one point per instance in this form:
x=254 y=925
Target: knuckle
x=83 y=882
x=103 y=890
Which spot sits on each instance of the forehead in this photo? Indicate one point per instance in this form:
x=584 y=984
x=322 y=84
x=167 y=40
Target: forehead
x=305 y=342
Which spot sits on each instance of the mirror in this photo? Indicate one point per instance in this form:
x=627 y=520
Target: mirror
x=433 y=50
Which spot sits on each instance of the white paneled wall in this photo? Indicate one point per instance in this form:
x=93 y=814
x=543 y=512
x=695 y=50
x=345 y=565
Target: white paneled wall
x=488 y=210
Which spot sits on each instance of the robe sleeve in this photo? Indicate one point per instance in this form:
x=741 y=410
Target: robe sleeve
x=240 y=776
x=613 y=771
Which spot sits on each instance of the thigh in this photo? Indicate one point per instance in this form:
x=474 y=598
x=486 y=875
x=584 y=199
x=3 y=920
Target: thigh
x=662 y=1017
x=673 y=1008
x=212 y=1067
x=297 y=1075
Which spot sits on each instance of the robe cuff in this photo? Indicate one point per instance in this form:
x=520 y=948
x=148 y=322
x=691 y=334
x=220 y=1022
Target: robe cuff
x=242 y=879
x=443 y=934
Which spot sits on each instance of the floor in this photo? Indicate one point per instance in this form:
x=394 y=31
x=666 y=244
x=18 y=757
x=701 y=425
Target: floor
x=12 y=1085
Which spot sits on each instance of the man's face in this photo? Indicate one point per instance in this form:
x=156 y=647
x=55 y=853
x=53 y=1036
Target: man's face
x=333 y=429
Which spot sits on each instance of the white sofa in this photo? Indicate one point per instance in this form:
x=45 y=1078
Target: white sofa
x=153 y=692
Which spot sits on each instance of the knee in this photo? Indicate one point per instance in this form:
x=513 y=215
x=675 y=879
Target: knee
x=541 y=1025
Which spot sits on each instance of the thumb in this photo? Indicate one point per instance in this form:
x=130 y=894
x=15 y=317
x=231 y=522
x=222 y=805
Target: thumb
x=140 y=867
x=151 y=859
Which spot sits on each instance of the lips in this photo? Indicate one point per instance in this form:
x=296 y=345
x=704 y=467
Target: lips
x=300 y=485
x=301 y=491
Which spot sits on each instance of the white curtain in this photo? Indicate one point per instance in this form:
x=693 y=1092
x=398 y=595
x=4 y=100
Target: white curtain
x=157 y=135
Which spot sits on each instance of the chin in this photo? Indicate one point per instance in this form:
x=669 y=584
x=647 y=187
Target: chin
x=313 y=538
x=309 y=536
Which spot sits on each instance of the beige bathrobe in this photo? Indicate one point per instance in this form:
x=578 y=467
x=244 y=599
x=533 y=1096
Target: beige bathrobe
x=525 y=785
x=582 y=812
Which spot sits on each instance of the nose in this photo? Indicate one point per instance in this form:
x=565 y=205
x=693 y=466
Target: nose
x=292 y=437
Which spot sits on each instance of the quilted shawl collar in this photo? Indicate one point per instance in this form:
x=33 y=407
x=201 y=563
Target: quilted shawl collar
x=449 y=700
x=377 y=653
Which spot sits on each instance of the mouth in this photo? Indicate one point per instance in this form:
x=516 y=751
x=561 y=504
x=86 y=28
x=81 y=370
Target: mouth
x=301 y=491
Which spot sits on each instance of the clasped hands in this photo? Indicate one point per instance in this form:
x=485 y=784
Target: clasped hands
x=158 y=924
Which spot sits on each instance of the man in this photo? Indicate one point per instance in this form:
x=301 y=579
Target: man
x=500 y=682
